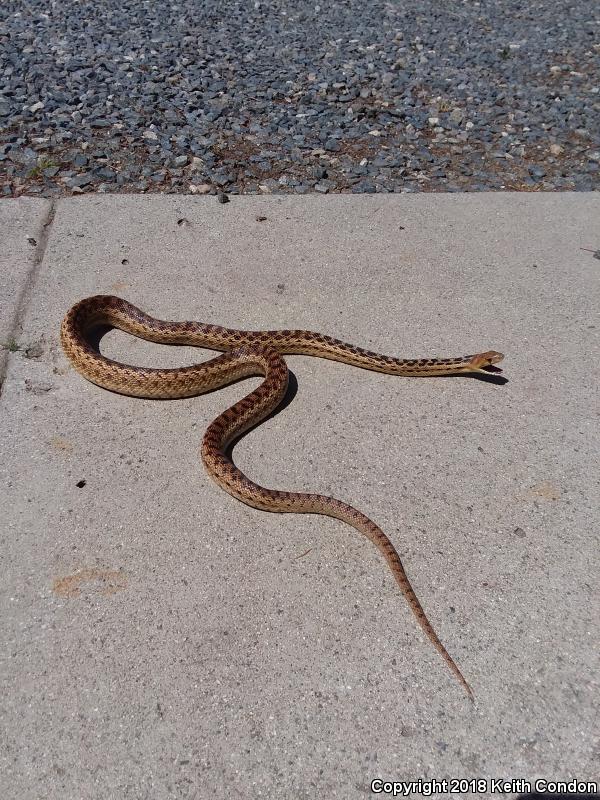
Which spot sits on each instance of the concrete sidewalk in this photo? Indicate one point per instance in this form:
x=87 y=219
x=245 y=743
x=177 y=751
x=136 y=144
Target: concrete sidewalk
x=161 y=640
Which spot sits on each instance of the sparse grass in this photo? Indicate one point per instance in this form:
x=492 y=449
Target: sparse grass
x=43 y=163
x=11 y=345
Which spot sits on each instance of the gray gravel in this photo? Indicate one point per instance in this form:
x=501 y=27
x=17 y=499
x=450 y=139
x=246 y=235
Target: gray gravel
x=298 y=97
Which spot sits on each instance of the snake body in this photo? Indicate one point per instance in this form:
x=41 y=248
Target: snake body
x=245 y=354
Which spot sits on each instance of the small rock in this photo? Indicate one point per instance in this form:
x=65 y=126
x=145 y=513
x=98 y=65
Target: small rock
x=222 y=179
x=34 y=350
x=537 y=171
x=222 y=198
x=78 y=181
x=200 y=188
x=364 y=187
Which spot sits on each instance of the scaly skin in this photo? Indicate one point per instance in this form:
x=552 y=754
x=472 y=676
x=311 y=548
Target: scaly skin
x=247 y=353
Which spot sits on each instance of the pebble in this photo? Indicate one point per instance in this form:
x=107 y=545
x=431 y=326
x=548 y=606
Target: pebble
x=324 y=98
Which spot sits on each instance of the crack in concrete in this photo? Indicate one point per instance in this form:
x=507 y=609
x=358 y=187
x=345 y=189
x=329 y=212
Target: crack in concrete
x=26 y=293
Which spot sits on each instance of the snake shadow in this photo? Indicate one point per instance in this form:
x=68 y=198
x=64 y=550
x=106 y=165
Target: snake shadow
x=492 y=374
x=489 y=377
x=97 y=333
x=492 y=377
x=288 y=398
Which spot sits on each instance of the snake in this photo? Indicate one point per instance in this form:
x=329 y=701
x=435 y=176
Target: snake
x=245 y=354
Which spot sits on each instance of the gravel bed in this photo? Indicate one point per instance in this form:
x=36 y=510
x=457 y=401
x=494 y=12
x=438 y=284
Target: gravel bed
x=345 y=96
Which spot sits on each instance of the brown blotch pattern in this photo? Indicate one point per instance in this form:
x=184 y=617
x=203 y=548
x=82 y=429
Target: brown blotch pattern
x=248 y=353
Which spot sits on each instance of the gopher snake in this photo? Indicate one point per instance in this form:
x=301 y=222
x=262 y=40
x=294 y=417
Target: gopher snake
x=248 y=353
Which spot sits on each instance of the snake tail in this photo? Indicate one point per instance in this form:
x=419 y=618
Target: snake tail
x=251 y=410
x=246 y=353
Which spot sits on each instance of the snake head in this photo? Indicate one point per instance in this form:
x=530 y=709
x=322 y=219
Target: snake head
x=484 y=363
